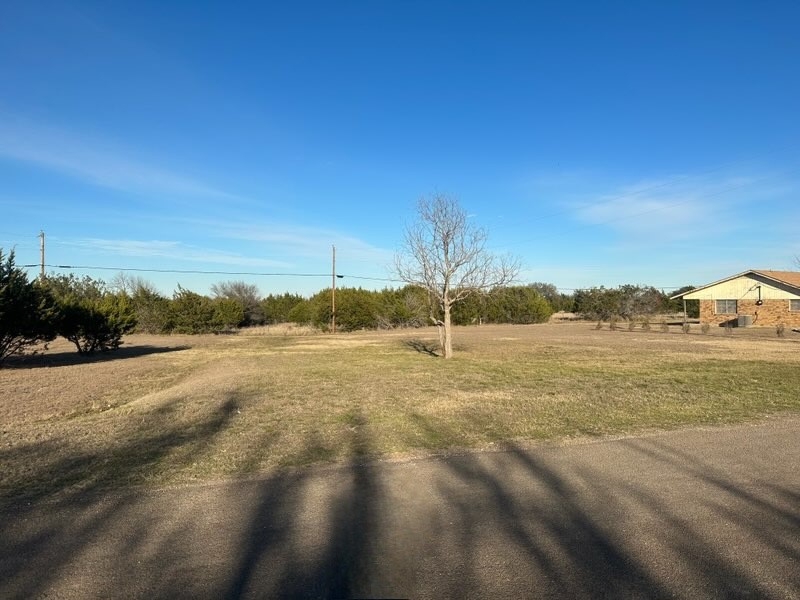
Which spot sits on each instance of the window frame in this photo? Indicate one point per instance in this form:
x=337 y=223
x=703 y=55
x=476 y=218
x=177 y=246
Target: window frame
x=794 y=305
x=717 y=311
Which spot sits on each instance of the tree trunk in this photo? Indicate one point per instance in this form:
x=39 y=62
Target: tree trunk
x=447 y=346
x=439 y=330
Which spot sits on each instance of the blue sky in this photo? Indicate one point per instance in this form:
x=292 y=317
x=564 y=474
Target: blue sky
x=601 y=142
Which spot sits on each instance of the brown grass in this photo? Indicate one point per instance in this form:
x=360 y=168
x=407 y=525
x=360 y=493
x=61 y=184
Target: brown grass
x=168 y=410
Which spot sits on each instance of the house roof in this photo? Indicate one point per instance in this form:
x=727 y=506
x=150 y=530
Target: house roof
x=790 y=278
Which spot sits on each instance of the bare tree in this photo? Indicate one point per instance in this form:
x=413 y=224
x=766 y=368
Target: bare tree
x=446 y=255
x=246 y=294
x=131 y=284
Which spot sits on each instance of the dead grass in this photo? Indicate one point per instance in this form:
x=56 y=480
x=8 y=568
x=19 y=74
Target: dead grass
x=181 y=409
x=282 y=329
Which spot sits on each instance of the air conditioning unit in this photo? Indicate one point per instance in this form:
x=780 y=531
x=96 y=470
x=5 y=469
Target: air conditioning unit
x=744 y=321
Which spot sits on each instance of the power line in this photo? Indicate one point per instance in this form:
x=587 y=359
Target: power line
x=270 y=274
x=263 y=274
x=181 y=271
x=374 y=278
x=204 y=272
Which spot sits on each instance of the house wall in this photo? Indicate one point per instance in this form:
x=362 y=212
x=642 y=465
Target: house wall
x=746 y=289
x=770 y=313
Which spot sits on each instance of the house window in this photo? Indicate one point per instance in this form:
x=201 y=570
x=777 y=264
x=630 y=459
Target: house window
x=794 y=305
x=726 y=307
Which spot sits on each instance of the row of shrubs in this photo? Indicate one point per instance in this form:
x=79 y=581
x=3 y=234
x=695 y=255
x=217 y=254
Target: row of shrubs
x=236 y=304
x=95 y=316
x=409 y=306
x=686 y=327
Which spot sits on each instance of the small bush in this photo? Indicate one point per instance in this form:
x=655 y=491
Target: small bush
x=780 y=330
x=513 y=304
x=686 y=327
x=646 y=324
x=88 y=315
x=664 y=327
x=599 y=325
x=96 y=324
x=276 y=308
x=190 y=312
x=612 y=324
x=729 y=327
x=631 y=325
x=228 y=314
x=355 y=309
x=301 y=313
x=152 y=311
x=705 y=328
x=246 y=295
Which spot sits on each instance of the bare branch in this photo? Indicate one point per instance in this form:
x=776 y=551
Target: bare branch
x=445 y=254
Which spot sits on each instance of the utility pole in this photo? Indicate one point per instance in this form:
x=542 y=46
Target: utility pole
x=333 y=289
x=41 y=254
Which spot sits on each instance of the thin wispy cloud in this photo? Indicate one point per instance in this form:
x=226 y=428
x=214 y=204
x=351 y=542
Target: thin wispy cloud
x=174 y=251
x=94 y=161
x=673 y=208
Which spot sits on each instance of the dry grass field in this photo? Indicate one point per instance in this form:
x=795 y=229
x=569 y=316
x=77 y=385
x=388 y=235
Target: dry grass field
x=172 y=410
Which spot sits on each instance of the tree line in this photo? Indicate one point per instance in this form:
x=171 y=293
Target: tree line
x=95 y=315
x=236 y=304
x=629 y=302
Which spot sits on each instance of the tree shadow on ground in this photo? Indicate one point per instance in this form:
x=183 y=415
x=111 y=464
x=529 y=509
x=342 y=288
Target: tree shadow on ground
x=67 y=358
x=769 y=512
x=82 y=483
x=565 y=546
x=422 y=346
x=335 y=564
x=574 y=530
x=515 y=523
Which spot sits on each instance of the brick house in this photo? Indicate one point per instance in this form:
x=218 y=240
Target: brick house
x=768 y=297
